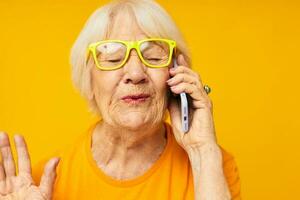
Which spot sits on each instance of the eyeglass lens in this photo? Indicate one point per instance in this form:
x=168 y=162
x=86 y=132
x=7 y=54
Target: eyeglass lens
x=112 y=54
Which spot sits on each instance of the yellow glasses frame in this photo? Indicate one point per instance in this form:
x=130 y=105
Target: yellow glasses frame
x=132 y=45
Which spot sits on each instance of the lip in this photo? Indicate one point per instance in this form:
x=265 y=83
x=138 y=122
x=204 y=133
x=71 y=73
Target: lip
x=135 y=98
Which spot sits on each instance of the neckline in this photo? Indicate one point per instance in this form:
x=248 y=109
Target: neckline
x=127 y=182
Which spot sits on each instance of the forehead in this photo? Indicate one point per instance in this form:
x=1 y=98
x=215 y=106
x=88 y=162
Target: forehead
x=125 y=27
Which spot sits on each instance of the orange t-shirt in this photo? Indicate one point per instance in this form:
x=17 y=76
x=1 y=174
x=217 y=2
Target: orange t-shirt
x=170 y=177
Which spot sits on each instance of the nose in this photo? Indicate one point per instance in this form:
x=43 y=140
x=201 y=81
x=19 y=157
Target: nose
x=134 y=69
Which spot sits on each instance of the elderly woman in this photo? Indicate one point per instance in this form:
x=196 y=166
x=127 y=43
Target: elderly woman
x=123 y=65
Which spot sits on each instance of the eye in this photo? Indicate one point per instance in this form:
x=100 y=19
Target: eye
x=154 y=59
x=114 y=60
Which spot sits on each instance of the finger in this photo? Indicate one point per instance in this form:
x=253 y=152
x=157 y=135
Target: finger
x=199 y=100
x=188 y=88
x=181 y=61
x=48 y=177
x=182 y=78
x=8 y=162
x=2 y=179
x=2 y=172
x=182 y=69
x=23 y=155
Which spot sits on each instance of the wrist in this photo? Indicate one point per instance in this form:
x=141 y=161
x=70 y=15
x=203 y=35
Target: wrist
x=210 y=152
x=209 y=147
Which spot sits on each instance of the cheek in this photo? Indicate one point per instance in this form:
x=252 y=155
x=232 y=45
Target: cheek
x=159 y=79
x=100 y=88
x=97 y=82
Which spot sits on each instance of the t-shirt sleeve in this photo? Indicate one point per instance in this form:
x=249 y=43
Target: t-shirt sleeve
x=232 y=176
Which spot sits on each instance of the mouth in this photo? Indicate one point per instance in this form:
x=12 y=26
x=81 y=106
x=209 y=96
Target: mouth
x=135 y=99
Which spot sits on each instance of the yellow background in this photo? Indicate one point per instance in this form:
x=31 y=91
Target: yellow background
x=247 y=51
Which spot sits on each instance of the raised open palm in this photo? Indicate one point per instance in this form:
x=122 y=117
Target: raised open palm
x=20 y=186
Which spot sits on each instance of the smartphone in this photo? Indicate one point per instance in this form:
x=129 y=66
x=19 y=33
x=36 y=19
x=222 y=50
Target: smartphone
x=184 y=107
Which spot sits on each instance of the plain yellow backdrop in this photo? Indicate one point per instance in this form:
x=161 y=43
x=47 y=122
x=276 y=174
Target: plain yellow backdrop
x=247 y=51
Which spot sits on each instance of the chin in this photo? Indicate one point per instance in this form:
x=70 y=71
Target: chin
x=134 y=121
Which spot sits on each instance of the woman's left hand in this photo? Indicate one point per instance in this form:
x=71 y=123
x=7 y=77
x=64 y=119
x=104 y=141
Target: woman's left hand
x=201 y=125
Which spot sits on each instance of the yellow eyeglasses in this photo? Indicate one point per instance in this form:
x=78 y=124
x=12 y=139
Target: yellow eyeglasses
x=113 y=54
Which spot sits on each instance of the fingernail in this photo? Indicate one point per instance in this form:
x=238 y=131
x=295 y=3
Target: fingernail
x=17 y=137
x=2 y=135
x=56 y=160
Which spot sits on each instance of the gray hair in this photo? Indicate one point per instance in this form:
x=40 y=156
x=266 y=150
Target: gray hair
x=151 y=18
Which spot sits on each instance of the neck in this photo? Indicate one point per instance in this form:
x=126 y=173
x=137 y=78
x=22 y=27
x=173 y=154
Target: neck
x=125 y=153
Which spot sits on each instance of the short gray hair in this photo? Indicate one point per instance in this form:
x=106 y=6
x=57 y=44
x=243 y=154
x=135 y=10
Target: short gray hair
x=151 y=18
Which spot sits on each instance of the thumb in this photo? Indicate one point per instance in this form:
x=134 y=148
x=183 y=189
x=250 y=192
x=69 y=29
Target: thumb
x=48 y=178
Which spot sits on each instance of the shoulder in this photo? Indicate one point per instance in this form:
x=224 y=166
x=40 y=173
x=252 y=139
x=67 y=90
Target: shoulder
x=229 y=162
x=65 y=154
x=226 y=155
x=231 y=174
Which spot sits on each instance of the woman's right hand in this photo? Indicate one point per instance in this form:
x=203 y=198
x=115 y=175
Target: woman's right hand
x=21 y=186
